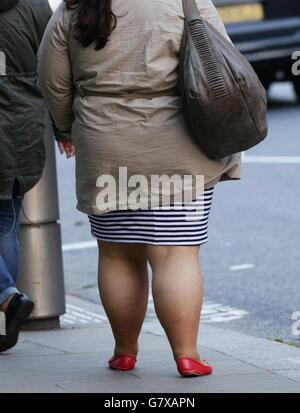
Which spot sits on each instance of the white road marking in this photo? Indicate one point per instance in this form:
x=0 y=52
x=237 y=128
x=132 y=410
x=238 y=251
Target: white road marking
x=241 y=267
x=96 y=316
x=65 y=320
x=82 y=321
x=75 y=315
x=221 y=316
x=213 y=312
x=270 y=159
x=70 y=316
x=74 y=307
x=81 y=315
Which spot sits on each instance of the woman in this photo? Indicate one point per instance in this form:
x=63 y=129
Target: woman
x=108 y=71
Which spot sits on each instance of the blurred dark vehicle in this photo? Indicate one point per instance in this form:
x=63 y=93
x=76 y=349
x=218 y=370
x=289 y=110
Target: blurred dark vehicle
x=267 y=33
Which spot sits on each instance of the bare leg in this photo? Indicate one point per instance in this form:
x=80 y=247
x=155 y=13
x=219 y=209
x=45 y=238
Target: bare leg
x=124 y=288
x=177 y=288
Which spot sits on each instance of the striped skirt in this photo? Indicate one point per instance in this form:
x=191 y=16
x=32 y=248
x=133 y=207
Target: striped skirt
x=181 y=223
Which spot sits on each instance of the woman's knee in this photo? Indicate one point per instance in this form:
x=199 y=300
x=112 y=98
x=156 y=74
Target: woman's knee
x=160 y=253
x=119 y=250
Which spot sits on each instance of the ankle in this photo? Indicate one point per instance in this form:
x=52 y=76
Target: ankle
x=193 y=354
x=5 y=304
x=131 y=350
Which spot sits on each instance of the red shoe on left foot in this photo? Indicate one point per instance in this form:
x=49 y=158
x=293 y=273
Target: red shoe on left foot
x=124 y=362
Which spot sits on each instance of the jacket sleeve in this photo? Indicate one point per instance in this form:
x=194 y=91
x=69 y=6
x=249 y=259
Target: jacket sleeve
x=208 y=11
x=55 y=74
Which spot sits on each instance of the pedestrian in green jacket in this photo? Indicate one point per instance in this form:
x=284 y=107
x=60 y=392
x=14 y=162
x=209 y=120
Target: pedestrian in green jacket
x=22 y=151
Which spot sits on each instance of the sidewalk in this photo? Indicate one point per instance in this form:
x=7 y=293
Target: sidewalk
x=73 y=359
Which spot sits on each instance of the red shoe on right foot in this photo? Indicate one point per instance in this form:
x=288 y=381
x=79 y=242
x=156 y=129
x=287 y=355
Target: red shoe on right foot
x=188 y=367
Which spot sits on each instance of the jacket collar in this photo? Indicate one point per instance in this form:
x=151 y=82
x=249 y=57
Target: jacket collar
x=7 y=4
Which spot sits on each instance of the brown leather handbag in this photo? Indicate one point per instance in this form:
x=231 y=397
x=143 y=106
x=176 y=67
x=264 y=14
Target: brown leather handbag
x=224 y=102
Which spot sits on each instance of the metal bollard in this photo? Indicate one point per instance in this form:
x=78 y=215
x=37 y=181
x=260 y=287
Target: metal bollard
x=41 y=275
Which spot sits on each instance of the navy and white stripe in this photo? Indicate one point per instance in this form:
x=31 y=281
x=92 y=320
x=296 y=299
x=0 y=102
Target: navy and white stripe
x=162 y=225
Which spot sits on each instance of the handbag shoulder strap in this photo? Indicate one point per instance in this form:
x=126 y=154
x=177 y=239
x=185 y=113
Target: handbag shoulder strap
x=190 y=10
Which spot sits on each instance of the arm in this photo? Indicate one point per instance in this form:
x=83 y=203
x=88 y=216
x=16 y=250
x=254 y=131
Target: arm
x=55 y=74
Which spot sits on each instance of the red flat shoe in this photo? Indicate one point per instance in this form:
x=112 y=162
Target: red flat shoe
x=124 y=362
x=190 y=367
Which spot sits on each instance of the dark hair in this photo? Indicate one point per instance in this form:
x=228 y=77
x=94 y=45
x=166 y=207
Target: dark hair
x=94 y=20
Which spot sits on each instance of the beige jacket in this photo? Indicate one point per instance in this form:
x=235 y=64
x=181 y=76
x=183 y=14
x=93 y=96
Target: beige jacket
x=131 y=128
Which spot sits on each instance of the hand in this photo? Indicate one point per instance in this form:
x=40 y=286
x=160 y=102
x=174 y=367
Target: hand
x=67 y=147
